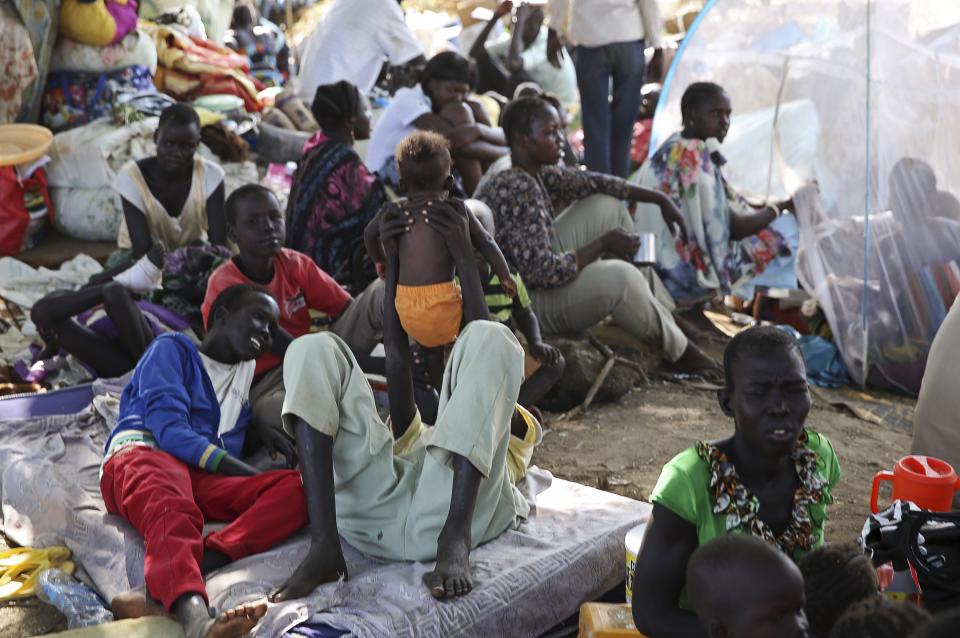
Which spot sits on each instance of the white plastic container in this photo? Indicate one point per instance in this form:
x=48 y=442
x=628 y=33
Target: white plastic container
x=632 y=542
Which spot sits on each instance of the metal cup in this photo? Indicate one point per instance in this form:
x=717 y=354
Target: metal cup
x=646 y=253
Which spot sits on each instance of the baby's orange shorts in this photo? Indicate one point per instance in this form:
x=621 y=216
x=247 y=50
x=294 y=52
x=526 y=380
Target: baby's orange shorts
x=430 y=314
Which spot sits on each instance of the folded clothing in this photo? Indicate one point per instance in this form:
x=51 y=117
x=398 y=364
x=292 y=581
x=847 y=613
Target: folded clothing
x=190 y=67
x=135 y=49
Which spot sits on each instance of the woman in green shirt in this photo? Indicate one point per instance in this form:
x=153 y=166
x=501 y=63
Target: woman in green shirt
x=773 y=479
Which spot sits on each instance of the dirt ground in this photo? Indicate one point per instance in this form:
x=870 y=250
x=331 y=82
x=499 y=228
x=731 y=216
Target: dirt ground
x=621 y=447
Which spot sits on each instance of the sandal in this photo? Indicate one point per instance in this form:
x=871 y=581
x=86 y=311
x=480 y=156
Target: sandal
x=20 y=567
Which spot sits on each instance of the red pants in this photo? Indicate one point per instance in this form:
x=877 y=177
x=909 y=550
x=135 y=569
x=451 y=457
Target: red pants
x=168 y=501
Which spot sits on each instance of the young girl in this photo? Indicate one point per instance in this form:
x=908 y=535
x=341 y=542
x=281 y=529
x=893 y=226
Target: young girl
x=173 y=197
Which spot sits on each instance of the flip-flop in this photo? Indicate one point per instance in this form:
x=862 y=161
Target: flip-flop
x=20 y=567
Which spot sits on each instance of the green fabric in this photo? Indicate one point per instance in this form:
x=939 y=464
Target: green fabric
x=393 y=496
x=684 y=489
x=500 y=305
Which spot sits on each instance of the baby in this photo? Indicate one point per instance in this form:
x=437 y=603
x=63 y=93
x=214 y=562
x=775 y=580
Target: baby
x=428 y=300
x=741 y=587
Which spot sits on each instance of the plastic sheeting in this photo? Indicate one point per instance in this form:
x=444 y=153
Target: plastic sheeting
x=862 y=96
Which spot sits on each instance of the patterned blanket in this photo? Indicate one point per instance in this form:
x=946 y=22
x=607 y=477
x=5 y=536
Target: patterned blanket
x=569 y=551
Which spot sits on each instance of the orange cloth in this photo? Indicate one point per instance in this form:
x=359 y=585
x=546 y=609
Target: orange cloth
x=431 y=314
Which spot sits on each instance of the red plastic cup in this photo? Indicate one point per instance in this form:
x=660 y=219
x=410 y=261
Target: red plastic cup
x=926 y=481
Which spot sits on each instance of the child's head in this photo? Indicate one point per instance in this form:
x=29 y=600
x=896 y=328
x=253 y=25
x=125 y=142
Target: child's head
x=765 y=390
x=341 y=106
x=879 y=617
x=243 y=319
x=835 y=577
x=943 y=625
x=447 y=77
x=741 y=587
x=177 y=137
x=423 y=159
x=244 y=16
x=255 y=221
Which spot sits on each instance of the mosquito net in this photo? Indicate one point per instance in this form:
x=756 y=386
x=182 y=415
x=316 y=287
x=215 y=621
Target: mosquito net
x=863 y=98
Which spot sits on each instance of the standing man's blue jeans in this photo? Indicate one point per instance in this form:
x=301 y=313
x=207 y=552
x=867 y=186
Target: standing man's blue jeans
x=608 y=125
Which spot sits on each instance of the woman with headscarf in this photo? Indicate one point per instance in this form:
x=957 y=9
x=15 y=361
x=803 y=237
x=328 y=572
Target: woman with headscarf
x=334 y=196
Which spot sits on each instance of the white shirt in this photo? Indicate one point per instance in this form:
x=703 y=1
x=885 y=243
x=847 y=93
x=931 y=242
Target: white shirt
x=395 y=124
x=561 y=82
x=595 y=23
x=352 y=42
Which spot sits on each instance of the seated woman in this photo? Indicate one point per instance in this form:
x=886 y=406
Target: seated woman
x=730 y=241
x=174 y=196
x=334 y=196
x=554 y=223
x=439 y=103
x=773 y=479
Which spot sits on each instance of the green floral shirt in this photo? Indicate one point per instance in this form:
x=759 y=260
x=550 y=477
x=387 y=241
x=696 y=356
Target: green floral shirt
x=701 y=486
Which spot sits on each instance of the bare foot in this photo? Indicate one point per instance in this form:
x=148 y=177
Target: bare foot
x=451 y=575
x=236 y=622
x=136 y=603
x=317 y=568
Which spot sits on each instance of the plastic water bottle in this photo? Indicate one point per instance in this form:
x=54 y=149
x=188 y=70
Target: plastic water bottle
x=76 y=601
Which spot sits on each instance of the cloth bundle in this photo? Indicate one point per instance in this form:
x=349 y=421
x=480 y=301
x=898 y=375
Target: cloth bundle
x=135 y=49
x=72 y=98
x=190 y=67
x=97 y=22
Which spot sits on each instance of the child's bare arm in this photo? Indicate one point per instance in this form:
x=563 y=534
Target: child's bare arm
x=399 y=364
x=483 y=242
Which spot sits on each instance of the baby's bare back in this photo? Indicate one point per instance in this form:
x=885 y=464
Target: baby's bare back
x=424 y=258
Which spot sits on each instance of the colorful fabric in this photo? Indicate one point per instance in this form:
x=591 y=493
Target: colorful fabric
x=332 y=199
x=18 y=67
x=168 y=502
x=524 y=209
x=297 y=286
x=72 y=98
x=263 y=45
x=710 y=262
x=185 y=274
x=430 y=314
x=701 y=486
x=170 y=398
x=98 y=23
x=501 y=306
x=190 y=67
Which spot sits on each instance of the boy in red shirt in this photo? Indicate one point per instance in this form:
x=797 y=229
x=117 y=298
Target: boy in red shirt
x=258 y=227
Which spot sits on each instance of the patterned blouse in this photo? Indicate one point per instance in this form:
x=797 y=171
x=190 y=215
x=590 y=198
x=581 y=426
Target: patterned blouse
x=524 y=207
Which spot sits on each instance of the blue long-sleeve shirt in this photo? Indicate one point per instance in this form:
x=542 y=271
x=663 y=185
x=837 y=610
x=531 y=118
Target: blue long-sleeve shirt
x=170 y=404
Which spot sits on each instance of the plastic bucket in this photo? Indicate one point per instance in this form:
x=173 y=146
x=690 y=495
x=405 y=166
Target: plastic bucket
x=632 y=543
x=926 y=481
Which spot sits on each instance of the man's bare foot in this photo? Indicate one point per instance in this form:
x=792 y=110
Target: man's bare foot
x=451 y=575
x=136 y=603
x=235 y=622
x=695 y=361
x=317 y=568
